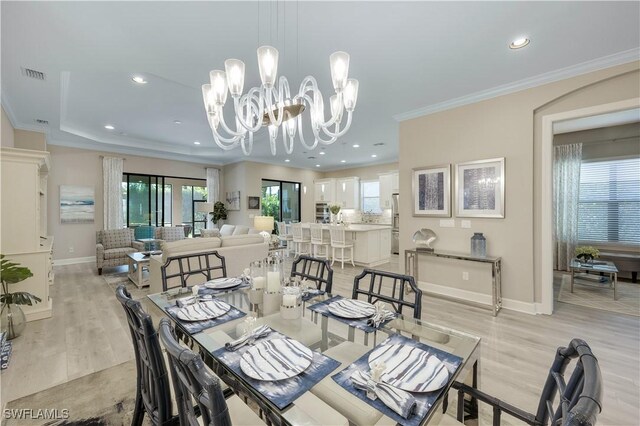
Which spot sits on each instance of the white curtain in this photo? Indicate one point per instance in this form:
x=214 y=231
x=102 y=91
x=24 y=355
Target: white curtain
x=213 y=188
x=112 y=169
x=566 y=188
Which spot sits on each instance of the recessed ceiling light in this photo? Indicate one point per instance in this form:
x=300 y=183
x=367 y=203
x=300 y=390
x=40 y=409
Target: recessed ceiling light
x=356 y=146
x=177 y=122
x=287 y=160
x=322 y=153
x=109 y=127
x=139 y=79
x=317 y=165
x=519 y=43
x=196 y=143
x=374 y=155
x=343 y=161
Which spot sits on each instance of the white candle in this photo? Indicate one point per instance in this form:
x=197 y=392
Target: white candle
x=258 y=282
x=273 y=281
x=289 y=300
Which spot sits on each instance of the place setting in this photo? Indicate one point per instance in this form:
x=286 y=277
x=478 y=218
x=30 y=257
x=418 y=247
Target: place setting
x=280 y=368
x=401 y=377
x=225 y=284
x=197 y=312
x=359 y=314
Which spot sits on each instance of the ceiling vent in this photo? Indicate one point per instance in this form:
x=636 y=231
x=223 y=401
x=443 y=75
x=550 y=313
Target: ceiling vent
x=41 y=122
x=378 y=144
x=38 y=75
x=311 y=158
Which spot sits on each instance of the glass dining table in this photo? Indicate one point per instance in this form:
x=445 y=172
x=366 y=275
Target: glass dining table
x=321 y=334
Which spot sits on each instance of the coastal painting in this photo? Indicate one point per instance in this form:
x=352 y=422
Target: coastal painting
x=77 y=204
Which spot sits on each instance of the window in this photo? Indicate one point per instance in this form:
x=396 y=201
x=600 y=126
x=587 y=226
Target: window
x=281 y=200
x=609 y=204
x=146 y=200
x=371 y=196
x=192 y=194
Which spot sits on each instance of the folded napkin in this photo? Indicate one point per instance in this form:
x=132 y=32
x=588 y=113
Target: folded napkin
x=380 y=317
x=248 y=338
x=190 y=300
x=402 y=402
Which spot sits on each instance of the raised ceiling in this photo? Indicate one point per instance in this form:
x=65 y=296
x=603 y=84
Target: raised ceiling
x=410 y=58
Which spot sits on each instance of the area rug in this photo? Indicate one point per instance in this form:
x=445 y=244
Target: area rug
x=587 y=293
x=86 y=400
x=115 y=279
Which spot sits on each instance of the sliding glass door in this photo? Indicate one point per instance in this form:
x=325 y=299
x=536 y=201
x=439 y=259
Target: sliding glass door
x=281 y=200
x=191 y=195
x=146 y=200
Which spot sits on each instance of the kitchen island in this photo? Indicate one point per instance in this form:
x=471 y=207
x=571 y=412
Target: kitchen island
x=371 y=243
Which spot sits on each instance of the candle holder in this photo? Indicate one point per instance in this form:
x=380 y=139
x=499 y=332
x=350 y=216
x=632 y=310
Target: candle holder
x=258 y=277
x=291 y=302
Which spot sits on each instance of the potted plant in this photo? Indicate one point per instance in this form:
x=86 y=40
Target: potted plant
x=334 y=209
x=586 y=254
x=219 y=212
x=12 y=319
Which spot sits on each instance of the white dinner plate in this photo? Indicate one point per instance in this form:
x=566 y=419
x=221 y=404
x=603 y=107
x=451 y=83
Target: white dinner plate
x=276 y=359
x=223 y=283
x=203 y=310
x=350 y=308
x=410 y=368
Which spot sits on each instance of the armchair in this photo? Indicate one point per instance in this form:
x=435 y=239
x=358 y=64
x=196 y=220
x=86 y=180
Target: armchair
x=113 y=245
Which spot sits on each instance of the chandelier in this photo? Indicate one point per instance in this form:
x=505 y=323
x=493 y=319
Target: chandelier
x=272 y=105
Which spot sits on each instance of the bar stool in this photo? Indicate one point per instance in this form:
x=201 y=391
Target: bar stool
x=319 y=242
x=301 y=239
x=339 y=241
x=285 y=236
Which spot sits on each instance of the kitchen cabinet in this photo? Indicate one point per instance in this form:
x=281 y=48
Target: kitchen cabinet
x=325 y=191
x=389 y=184
x=371 y=243
x=348 y=192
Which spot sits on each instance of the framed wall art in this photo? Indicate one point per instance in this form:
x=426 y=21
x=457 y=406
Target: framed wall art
x=480 y=188
x=77 y=204
x=233 y=200
x=432 y=191
x=253 y=203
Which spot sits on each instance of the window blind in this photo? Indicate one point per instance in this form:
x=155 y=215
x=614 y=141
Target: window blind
x=609 y=202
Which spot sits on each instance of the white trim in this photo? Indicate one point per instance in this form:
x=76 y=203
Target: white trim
x=477 y=298
x=8 y=110
x=545 y=251
x=527 y=83
x=74 y=260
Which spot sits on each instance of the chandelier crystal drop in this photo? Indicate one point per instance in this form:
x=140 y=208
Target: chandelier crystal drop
x=271 y=105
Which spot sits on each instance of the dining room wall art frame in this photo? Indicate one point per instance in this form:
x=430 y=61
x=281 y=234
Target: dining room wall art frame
x=431 y=191
x=480 y=188
x=253 y=203
x=77 y=204
x=233 y=200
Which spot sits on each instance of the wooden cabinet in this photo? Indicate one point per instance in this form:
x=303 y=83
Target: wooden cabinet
x=348 y=192
x=389 y=184
x=325 y=191
x=24 y=237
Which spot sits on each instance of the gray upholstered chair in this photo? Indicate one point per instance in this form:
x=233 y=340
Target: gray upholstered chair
x=113 y=245
x=170 y=233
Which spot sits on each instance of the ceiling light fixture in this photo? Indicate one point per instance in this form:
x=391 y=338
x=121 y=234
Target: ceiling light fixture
x=196 y=143
x=287 y=160
x=177 y=122
x=271 y=104
x=343 y=161
x=374 y=155
x=317 y=165
x=356 y=146
x=519 y=43
x=139 y=79
x=322 y=153
x=109 y=127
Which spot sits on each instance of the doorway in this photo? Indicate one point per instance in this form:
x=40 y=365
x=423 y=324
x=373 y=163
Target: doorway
x=281 y=200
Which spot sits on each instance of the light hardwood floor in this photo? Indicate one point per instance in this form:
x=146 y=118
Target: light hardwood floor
x=88 y=333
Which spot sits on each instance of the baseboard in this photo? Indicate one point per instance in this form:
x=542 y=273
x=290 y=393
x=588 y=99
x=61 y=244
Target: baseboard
x=74 y=260
x=477 y=298
x=44 y=311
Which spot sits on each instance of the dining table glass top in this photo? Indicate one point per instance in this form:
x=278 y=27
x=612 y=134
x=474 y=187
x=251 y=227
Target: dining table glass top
x=321 y=333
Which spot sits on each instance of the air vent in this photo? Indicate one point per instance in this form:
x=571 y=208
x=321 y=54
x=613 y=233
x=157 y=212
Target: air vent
x=311 y=158
x=378 y=144
x=41 y=122
x=38 y=75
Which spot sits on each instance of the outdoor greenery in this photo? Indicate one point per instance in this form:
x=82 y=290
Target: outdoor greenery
x=11 y=273
x=219 y=212
x=270 y=204
x=587 y=253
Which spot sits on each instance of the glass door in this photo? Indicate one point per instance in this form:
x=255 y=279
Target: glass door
x=290 y=211
x=144 y=200
x=281 y=200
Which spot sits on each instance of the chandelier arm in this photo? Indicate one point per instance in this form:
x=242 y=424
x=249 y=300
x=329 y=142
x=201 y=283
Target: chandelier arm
x=288 y=148
x=300 y=132
x=339 y=132
x=309 y=84
x=251 y=103
x=245 y=150
x=235 y=133
x=267 y=96
x=222 y=141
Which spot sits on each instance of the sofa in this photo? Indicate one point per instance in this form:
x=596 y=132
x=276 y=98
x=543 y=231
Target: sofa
x=113 y=245
x=228 y=230
x=238 y=250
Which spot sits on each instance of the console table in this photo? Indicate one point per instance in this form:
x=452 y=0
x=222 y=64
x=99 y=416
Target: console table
x=411 y=268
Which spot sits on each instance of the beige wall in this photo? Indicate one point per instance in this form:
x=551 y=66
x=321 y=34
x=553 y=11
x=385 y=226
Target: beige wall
x=247 y=176
x=72 y=166
x=365 y=172
x=6 y=131
x=27 y=139
x=501 y=127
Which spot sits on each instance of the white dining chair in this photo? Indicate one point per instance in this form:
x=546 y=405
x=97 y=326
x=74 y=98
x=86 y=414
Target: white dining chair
x=285 y=236
x=301 y=239
x=320 y=244
x=339 y=241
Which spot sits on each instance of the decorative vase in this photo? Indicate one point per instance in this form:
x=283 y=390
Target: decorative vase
x=585 y=258
x=12 y=320
x=478 y=245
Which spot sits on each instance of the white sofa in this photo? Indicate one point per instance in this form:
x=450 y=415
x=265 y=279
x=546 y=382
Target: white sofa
x=238 y=251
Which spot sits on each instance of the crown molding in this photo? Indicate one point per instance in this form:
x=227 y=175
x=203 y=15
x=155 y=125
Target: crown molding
x=6 y=106
x=527 y=83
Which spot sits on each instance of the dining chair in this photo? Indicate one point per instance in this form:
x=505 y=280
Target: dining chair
x=313 y=269
x=301 y=239
x=153 y=394
x=339 y=241
x=579 y=398
x=320 y=244
x=194 y=385
x=200 y=267
x=389 y=287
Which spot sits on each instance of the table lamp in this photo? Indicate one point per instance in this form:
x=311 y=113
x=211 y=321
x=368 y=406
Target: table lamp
x=265 y=225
